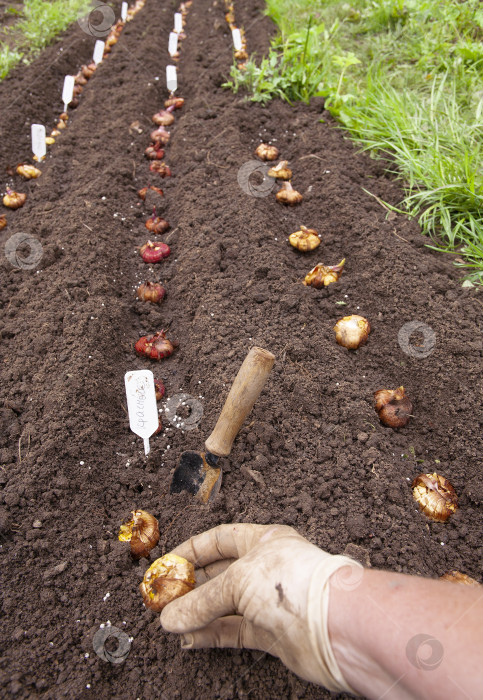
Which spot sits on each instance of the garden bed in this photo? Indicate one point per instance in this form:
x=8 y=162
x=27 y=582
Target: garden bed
x=312 y=454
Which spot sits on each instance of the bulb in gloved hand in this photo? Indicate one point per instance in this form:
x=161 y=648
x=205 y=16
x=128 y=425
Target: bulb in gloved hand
x=167 y=578
x=281 y=171
x=393 y=407
x=305 y=240
x=458 y=577
x=142 y=532
x=322 y=275
x=352 y=331
x=266 y=152
x=287 y=195
x=435 y=495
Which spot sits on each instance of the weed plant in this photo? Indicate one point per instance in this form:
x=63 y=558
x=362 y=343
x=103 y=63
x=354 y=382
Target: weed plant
x=406 y=79
x=39 y=23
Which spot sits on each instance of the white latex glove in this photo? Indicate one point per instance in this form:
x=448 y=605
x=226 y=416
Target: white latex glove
x=262 y=587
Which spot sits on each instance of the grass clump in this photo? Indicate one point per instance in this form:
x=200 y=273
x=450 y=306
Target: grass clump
x=39 y=23
x=406 y=78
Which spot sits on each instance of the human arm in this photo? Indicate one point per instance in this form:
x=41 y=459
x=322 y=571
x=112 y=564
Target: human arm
x=326 y=618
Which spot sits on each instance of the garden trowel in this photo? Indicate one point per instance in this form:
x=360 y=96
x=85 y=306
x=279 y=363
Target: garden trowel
x=199 y=472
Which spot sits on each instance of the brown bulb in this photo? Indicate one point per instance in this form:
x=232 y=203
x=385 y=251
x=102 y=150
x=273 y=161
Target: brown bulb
x=305 y=240
x=3 y=221
x=435 y=495
x=163 y=117
x=161 y=168
x=29 y=172
x=88 y=71
x=176 y=102
x=281 y=171
x=159 y=388
x=157 y=225
x=393 y=407
x=322 y=275
x=266 y=152
x=352 y=331
x=144 y=190
x=80 y=79
x=143 y=533
x=241 y=55
x=151 y=291
x=14 y=200
x=287 y=195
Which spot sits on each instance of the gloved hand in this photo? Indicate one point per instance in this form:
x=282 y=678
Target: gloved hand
x=263 y=587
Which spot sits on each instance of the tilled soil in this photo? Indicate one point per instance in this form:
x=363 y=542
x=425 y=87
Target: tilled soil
x=313 y=453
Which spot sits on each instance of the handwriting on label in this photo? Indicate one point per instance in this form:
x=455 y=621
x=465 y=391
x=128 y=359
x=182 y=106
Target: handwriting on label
x=173 y=43
x=171 y=78
x=98 y=51
x=39 y=147
x=178 y=22
x=141 y=402
x=237 y=42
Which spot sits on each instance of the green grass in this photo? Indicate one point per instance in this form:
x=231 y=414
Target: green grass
x=39 y=23
x=406 y=79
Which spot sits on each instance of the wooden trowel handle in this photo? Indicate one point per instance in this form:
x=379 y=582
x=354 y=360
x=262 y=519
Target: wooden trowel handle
x=245 y=390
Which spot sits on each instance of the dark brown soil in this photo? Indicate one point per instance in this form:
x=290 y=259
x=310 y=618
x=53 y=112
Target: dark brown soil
x=319 y=458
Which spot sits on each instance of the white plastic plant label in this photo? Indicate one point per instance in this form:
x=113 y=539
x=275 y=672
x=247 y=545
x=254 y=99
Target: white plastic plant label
x=173 y=43
x=39 y=147
x=98 y=51
x=124 y=11
x=237 y=41
x=178 y=22
x=141 y=404
x=68 y=90
x=171 y=78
